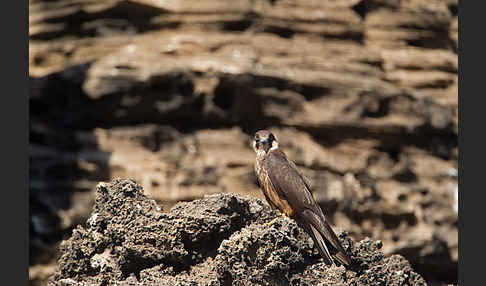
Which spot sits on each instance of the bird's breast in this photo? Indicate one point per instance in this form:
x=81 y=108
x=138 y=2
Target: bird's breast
x=268 y=187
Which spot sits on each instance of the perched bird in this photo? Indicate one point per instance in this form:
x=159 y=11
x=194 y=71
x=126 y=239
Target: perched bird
x=287 y=190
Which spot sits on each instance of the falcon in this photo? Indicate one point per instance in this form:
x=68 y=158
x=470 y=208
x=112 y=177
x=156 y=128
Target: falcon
x=287 y=190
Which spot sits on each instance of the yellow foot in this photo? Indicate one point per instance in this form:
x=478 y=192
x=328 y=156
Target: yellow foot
x=267 y=224
x=274 y=220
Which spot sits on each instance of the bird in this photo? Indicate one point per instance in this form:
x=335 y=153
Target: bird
x=288 y=191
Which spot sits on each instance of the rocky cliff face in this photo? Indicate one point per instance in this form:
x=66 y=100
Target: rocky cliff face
x=362 y=96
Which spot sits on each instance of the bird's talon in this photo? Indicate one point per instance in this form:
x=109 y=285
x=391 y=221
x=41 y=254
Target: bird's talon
x=267 y=224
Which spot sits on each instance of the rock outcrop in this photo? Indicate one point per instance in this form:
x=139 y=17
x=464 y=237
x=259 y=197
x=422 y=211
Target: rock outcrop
x=218 y=240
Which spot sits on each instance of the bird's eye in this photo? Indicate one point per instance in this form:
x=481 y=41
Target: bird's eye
x=271 y=137
x=257 y=137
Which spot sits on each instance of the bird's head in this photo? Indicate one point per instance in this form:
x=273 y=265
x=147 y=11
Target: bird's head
x=264 y=141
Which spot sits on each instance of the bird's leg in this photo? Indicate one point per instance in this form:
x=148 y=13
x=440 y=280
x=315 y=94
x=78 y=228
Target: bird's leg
x=267 y=224
x=274 y=220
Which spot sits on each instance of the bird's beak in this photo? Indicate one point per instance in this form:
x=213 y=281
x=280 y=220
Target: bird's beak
x=264 y=140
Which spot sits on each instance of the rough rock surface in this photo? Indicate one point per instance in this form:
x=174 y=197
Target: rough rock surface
x=362 y=94
x=218 y=240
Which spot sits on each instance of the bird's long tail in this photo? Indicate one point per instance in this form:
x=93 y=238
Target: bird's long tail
x=324 y=237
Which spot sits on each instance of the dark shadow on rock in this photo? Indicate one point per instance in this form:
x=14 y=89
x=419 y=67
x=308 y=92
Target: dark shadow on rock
x=433 y=259
x=125 y=17
x=64 y=166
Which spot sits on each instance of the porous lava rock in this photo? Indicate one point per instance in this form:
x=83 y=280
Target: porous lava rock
x=220 y=239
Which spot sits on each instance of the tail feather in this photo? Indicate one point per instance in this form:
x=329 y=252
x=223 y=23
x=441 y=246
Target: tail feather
x=342 y=258
x=321 y=245
x=324 y=237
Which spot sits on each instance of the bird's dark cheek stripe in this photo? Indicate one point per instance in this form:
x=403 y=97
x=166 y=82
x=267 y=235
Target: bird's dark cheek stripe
x=267 y=148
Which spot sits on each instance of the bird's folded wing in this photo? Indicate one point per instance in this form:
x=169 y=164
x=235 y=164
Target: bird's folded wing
x=306 y=181
x=287 y=181
x=291 y=186
x=321 y=225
